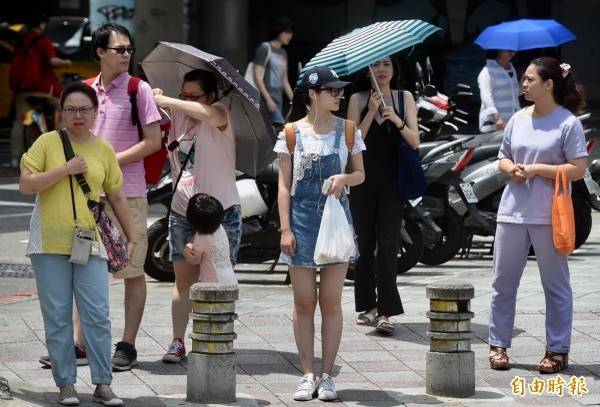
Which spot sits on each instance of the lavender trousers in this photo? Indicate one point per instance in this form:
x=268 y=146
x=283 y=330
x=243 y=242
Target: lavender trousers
x=511 y=247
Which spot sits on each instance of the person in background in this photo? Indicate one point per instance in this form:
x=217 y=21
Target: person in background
x=320 y=154
x=376 y=204
x=499 y=90
x=61 y=209
x=46 y=86
x=537 y=140
x=271 y=67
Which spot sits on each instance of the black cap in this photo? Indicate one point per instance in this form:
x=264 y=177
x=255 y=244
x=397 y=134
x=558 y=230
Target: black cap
x=321 y=77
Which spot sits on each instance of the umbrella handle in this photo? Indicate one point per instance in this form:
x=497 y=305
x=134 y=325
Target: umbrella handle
x=376 y=85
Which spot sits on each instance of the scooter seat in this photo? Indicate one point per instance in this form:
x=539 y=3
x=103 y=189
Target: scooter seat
x=485 y=152
x=270 y=175
x=427 y=146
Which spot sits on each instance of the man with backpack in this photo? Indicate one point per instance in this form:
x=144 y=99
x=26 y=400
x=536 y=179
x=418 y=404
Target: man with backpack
x=128 y=119
x=270 y=69
x=31 y=74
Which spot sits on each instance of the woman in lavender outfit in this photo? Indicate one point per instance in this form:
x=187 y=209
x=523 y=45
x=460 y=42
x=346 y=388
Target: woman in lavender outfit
x=537 y=140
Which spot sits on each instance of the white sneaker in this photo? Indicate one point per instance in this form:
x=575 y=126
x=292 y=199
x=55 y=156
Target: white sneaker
x=307 y=388
x=326 y=390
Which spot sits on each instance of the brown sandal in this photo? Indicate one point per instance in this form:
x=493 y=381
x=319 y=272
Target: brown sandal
x=553 y=362
x=498 y=358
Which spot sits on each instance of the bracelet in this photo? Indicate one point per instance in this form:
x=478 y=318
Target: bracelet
x=403 y=124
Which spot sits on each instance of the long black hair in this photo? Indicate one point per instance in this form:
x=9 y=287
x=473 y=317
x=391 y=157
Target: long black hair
x=567 y=91
x=300 y=104
x=363 y=78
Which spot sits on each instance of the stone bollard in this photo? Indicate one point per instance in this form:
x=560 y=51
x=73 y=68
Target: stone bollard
x=212 y=361
x=450 y=363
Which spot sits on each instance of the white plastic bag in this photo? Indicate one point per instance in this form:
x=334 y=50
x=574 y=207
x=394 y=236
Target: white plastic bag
x=335 y=243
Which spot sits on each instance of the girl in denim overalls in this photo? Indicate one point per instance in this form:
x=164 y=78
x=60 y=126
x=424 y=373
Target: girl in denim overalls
x=320 y=155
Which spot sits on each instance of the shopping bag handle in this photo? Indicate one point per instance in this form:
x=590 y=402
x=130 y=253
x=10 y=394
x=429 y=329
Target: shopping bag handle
x=561 y=178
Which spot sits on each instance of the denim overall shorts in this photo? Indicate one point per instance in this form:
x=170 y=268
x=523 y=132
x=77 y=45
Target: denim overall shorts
x=308 y=202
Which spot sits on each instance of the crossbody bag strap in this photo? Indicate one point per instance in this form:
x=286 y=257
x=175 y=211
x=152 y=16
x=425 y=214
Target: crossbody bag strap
x=64 y=144
x=185 y=163
x=70 y=154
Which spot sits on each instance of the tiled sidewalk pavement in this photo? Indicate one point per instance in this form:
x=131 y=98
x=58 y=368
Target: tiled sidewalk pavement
x=370 y=370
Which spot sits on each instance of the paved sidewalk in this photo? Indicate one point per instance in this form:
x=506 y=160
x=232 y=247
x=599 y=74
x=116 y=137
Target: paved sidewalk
x=370 y=370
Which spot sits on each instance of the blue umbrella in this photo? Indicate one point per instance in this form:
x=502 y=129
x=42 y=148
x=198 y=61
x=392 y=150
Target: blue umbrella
x=524 y=34
x=364 y=46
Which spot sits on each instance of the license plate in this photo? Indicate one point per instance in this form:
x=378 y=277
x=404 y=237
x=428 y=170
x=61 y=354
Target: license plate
x=591 y=185
x=467 y=190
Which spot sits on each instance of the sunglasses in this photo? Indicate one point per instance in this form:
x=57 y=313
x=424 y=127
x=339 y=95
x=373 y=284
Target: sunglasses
x=121 y=50
x=191 y=96
x=333 y=92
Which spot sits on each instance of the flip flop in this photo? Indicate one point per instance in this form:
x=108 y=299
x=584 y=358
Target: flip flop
x=385 y=327
x=365 y=319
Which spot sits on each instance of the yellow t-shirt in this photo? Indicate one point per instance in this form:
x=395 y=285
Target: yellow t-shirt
x=52 y=221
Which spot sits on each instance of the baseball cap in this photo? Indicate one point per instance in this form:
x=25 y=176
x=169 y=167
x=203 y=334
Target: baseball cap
x=321 y=76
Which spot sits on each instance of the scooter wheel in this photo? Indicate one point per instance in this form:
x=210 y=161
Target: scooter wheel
x=409 y=254
x=157 y=264
x=583 y=218
x=450 y=240
x=595 y=201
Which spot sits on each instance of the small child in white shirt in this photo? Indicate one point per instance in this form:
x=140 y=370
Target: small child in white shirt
x=210 y=246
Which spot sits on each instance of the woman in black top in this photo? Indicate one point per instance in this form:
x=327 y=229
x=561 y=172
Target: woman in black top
x=385 y=120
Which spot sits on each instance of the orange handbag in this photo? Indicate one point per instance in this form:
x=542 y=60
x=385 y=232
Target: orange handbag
x=563 y=219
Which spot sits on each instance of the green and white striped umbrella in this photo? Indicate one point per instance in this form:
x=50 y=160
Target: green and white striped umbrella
x=364 y=46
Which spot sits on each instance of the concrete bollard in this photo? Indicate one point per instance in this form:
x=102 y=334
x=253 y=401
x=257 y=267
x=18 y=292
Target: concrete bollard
x=450 y=363
x=212 y=361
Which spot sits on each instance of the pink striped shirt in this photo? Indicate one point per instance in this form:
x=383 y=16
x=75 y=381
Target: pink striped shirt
x=114 y=124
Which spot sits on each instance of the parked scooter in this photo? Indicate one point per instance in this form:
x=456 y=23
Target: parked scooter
x=488 y=184
x=438 y=114
x=260 y=223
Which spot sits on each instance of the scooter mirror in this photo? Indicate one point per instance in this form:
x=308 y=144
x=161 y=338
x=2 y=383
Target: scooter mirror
x=463 y=98
x=430 y=90
x=419 y=71
x=428 y=66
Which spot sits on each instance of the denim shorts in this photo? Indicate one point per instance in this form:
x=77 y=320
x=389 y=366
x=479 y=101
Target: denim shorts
x=232 y=223
x=182 y=233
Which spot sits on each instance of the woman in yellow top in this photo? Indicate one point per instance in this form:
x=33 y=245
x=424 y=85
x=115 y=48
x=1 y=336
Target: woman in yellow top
x=59 y=210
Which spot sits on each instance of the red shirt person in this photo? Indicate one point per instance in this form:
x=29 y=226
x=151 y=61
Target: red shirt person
x=37 y=55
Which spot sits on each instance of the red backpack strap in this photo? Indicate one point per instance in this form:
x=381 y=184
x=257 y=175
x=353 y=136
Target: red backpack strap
x=132 y=89
x=290 y=137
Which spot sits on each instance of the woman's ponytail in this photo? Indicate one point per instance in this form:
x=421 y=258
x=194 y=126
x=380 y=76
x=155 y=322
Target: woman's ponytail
x=567 y=91
x=299 y=105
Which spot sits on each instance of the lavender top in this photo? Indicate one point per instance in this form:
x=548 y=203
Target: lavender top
x=552 y=139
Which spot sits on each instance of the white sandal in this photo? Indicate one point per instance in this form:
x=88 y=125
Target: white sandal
x=365 y=319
